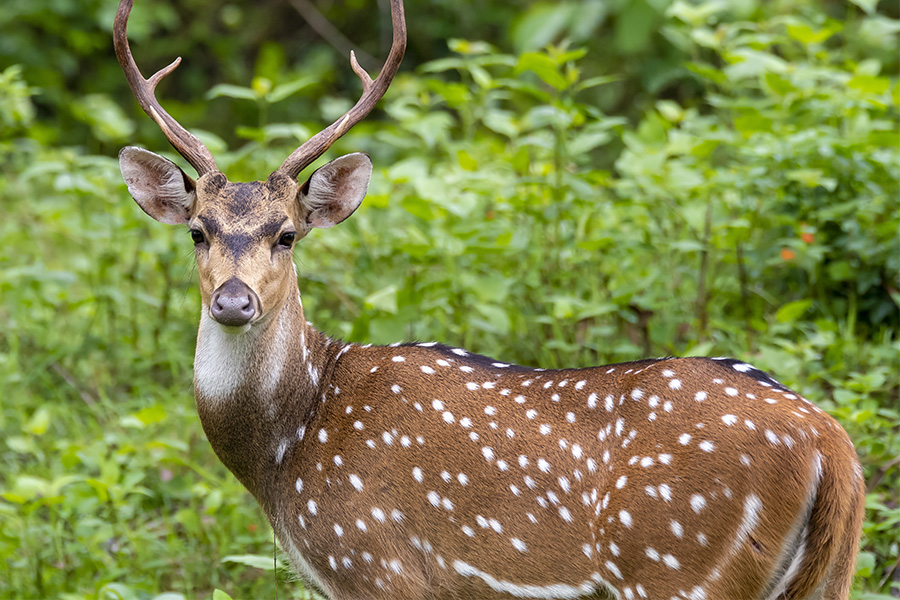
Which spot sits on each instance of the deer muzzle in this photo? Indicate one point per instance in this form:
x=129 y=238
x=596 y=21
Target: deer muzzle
x=234 y=304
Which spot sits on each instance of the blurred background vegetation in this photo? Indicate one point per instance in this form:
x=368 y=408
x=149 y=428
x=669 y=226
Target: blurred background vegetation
x=576 y=182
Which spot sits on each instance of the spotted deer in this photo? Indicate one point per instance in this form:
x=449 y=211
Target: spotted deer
x=421 y=471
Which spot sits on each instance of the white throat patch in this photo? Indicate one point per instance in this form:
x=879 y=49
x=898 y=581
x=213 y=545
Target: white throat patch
x=222 y=360
x=225 y=361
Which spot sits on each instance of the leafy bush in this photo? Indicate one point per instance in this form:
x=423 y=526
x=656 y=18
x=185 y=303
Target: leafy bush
x=753 y=213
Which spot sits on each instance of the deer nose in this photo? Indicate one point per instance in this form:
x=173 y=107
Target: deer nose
x=234 y=303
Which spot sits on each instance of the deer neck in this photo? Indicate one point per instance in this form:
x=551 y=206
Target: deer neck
x=255 y=390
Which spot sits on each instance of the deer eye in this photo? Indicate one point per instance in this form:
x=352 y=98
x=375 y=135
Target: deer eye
x=197 y=236
x=287 y=239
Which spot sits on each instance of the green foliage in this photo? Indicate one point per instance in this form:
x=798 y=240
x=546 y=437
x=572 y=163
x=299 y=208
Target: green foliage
x=630 y=179
x=16 y=110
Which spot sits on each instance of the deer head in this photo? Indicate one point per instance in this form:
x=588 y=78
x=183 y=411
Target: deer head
x=244 y=233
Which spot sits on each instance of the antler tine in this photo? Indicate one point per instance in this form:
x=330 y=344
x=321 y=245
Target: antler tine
x=144 y=90
x=373 y=91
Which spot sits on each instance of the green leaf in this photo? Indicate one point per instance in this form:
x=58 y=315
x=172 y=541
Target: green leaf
x=707 y=72
x=807 y=35
x=501 y=122
x=285 y=90
x=792 y=311
x=865 y=564
x=116 y=591
x=232 y=91
x=706 y=37
x=469 y=48
x=570 y=56
x=266 y=563
x=595 y=81
x=687 y=245
x=751 y=122
x=746 y=63
x=293 y=131
x=21 y=444
x=495 y=319
x=384 y=299
x=28 y=488
x=419 y=207
x=868 y=6
x=151 y=414
x=844 y=396
x=442 y=64
x=105 y=117
x=696 y=14
x=480 y=75
x=466 y=162
x=778 y=84
x=39 y=421
x=587 y=141
x=544 y=67
x=811 y=178
x=670 y=110
x=635 y=25
x=869 y=84
x=541 y=24
x=841 y=270
x=220 y=595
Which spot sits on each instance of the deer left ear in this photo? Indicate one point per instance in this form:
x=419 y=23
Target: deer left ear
x=335 y=190
x=158 y=185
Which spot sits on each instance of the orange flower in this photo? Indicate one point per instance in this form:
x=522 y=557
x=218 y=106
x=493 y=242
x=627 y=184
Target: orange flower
x=788 y=254
x=251 y=527
x=807 y=237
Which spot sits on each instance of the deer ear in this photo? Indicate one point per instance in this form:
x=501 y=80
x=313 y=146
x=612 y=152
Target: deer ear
x=335 y=190
x=158 y=185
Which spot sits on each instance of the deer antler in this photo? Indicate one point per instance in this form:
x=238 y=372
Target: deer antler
x=144 y=90
x=316 y=146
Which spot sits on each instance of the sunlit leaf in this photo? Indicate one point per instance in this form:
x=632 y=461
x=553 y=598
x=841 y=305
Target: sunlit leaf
x=869 y=84
x=792 y=311
x=232 y=91
x=39 y=422
x=867 y=5
x=384 y=299
x=288 y=89
x=266 y=563
x=807 y=34
x=544 y=67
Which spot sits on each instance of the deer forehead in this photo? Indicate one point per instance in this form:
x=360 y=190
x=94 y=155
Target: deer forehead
x=256 y=210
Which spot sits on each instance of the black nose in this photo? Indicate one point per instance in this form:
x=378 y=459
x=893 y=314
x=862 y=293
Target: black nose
x=233 y=304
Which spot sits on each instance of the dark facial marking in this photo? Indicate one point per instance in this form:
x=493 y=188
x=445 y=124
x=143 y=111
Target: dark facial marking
x=245 y=199
x=237 y=243
x=271 y=228
x=211 y=225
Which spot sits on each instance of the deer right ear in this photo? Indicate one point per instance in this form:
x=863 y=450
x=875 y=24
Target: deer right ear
x=158 y=185
x=335 y=190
